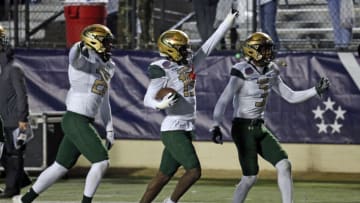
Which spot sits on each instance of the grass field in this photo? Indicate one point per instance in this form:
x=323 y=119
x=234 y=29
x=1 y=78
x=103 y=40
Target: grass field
x=130 y=189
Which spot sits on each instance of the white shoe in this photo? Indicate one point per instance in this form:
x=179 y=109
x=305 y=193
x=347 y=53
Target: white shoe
x=17 y=199
x=167 y=200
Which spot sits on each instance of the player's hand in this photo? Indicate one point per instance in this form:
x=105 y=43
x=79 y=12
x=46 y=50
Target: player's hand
x=235 y=11
x=84 y=50
x=168 y=100
x=110 y=139
x=322 y=86
x=1 y=148
x=217 y=136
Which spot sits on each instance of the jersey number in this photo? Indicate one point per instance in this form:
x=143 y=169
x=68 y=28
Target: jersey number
x=189 y=83
x=263 y=85
x=100 y=86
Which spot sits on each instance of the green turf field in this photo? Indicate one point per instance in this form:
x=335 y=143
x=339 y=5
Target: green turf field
x=129 y=190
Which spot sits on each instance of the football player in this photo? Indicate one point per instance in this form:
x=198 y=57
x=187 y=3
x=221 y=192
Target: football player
x=250 y=83
x=177 y=71
x=90 y=71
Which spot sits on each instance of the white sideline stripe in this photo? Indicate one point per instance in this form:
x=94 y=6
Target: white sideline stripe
x=1 y=201
x=351 y=65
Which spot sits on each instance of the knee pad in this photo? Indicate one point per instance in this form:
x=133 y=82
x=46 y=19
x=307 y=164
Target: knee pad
x=59 y=168
x=248 y=181
x=101 y=166
x=283 y=165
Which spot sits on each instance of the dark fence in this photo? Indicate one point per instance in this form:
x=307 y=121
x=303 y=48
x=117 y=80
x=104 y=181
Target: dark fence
x=301 y=24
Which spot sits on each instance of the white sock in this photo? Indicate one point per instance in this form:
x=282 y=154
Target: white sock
x=285 y=180
x=94 y=177
x=49 y=177
x=243 y=188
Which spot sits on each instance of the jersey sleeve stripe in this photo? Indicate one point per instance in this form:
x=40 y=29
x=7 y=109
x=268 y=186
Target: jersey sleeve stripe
x=237 y=73
x=156 y=72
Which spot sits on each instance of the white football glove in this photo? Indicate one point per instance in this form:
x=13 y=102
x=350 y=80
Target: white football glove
x=109 y=139
x=1 y=149
x=167 y=101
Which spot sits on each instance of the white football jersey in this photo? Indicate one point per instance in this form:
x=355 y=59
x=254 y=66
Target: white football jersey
x=250 y=100
x=89 y=79
x=249 y=87
x=181 y=78
x=166 y=73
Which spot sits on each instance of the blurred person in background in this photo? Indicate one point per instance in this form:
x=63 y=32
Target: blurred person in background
x=221 y=11
x=14 y=110
x=2 y=140
x=245 y=13
x=205 y=12
x=90 y=71
x=251 y=81
x=342 y=19
x=268 y=12
x=176 y=70
x=145 y=10
x=112 y=9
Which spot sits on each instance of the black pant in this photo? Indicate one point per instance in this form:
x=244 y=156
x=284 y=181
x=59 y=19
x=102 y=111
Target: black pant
x=13 y=163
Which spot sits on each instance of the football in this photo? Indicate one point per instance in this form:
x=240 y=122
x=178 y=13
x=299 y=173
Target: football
x=163 y=91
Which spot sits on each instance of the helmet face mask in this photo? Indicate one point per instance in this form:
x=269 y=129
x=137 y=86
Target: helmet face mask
x=99 y=38
x=174 y=44
x=259 y=48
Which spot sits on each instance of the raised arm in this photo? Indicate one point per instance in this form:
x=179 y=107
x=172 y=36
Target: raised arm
x=80 y=54
x=214 y=39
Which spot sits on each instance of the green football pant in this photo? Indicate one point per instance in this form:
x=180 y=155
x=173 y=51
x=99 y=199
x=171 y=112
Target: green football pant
x=80 y=137
x=252 y=140
x=178 y=151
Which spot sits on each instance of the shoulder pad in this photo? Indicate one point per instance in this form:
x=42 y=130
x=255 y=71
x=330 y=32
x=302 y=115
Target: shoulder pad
x=156 y=69
x=246 y=69
x=163 y=63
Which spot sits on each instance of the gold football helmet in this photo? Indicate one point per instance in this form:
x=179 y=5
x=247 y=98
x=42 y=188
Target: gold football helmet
x=174 y=44
x=98 y=37
x=2 y=31
x=3 y=39
x=259 y=47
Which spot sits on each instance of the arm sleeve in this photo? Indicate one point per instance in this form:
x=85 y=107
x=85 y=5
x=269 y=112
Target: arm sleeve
x=290 y=95
x=18 y=82
x=214 y=39
x=105 y=113
x=233 y=86
x=154 y=86
x=78 y=59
